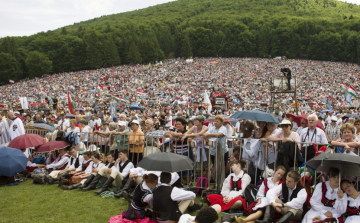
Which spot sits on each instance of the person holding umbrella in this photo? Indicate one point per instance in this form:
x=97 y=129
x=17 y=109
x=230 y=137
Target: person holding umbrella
x=327 y=201
x=352 y=197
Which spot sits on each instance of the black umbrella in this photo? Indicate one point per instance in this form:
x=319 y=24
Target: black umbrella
x=350 y=116
x=166 y=162
x=348 y=164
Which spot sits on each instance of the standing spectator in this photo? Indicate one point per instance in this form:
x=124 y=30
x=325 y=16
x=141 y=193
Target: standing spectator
x=303 y=124
x=64 y=123
x=169 y=119
x=357 y=132
x=348 y=142
x=136 y=143
x=16 y=126
x=310 y=135
x=85 y=131
x=332 y=130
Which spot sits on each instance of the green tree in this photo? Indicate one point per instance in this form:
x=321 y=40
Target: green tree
x=9 y=68
x=38 y=64
x=63 y=31
x=186 y=50
x=134 y=55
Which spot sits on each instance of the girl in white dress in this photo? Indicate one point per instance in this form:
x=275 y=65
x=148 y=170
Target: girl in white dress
x=256 y=209
x=352 y=198
x=327 y=201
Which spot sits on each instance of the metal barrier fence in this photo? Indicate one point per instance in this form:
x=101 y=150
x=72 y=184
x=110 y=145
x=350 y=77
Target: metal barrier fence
x=209 y=154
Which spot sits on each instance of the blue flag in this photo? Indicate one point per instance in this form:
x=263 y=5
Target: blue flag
x=329 y=103
x=349 y=99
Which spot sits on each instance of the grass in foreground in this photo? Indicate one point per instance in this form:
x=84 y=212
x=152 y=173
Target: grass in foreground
x=28 y=202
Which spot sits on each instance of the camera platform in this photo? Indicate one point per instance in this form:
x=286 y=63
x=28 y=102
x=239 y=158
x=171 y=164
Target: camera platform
x=281 y=86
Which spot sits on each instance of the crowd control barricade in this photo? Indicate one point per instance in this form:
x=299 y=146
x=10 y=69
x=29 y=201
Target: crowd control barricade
x=208 y=155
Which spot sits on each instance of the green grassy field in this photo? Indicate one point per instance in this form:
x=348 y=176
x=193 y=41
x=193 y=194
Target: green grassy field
x=28 y=202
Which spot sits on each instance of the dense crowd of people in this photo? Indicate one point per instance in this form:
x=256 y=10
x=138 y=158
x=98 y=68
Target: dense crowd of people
x=231 y=157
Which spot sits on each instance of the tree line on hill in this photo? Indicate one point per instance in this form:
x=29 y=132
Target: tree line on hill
x=105 y=43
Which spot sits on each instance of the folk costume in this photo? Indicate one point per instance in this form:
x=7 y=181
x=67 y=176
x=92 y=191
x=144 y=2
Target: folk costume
x=325 y=199
x=233 y=187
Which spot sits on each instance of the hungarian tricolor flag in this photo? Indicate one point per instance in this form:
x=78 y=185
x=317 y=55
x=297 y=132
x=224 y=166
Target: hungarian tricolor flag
x=99 y=88
x=114 y=97
x=43 y=93
x=352 y=92
x=344 y=88
x=140 y=93
x=70 y=103
x=124 y=101
x=97 y=95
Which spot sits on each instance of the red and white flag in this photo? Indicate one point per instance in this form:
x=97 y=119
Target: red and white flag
x=70 y=103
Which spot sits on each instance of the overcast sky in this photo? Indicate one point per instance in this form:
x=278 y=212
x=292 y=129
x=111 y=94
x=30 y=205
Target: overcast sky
x=27 y=17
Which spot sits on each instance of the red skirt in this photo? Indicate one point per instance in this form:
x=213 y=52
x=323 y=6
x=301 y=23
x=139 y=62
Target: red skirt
x=218 y=199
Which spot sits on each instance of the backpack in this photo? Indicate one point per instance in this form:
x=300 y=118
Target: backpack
x=39 y=176
x=204 y=183
x=250 y=194
x=72 y=138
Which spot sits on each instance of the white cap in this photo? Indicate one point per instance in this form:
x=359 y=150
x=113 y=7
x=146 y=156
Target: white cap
x=285 y=122
x=135 y=121
x=333 y=118
x=17 y=112
x=122 y=123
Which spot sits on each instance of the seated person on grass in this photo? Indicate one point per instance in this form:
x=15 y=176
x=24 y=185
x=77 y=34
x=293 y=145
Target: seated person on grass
x=90 y=183
x=55 y=167
x=136 y=177
x=83 y=171
x=116 y=174
x=143 y=198
x=170 y=203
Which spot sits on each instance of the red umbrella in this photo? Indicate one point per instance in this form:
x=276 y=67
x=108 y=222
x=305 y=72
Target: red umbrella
x=295 y=117
x=1 y=105
x=26 y=141
x=318 y=124
x=50 y=146
x=33 y=104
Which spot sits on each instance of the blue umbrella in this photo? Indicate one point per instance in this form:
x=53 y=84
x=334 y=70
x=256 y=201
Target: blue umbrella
x=236 y=115
x=324 y=111
x=136 y=108
x=79 y=109
x=12 y=161
x=258 y=115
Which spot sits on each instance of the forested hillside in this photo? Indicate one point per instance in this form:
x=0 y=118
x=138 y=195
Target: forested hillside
x=310 y=29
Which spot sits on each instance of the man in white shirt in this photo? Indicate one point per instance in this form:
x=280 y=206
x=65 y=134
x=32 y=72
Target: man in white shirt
x=168 y=119
x=291 y=202
x=63 y=123
x=310 y=135
x=117 y=173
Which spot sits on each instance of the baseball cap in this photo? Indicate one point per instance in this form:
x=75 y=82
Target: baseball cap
x=122 y=123
x=135 y=121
